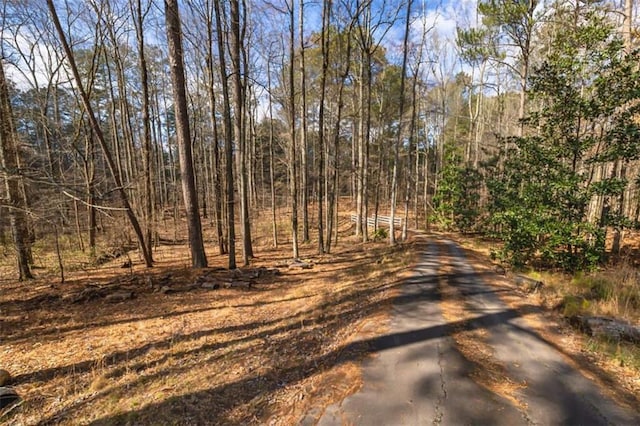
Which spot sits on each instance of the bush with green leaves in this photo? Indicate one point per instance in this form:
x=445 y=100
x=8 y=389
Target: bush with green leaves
x=586 y=97
x=456 y=202
x=380 y=234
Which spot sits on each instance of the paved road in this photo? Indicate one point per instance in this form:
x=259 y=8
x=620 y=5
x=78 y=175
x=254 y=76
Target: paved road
x=420 y=375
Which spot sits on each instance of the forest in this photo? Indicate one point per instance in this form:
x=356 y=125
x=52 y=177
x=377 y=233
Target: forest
x=513 y=120
x=214 y=211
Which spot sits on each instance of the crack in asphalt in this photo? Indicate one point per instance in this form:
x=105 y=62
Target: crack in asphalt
x=596 y=410
x=443 y=386
x=467 y=301
x=470 y=339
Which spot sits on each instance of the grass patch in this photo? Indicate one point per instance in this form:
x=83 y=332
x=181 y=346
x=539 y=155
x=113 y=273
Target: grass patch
x=624 y=354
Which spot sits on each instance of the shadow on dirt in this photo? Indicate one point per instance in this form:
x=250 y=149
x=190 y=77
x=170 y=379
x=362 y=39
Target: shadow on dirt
x=280 y=336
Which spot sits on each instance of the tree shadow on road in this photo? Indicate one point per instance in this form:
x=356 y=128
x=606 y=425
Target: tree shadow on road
x=235 y=394
x=279 y=337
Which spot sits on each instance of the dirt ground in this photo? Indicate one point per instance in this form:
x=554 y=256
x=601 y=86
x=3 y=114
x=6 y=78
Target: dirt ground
x=142 y=346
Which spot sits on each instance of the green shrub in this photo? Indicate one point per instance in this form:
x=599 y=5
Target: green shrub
x=380 y=234
x=574 y=305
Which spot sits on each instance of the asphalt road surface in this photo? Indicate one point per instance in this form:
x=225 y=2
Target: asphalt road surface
x=421 y=375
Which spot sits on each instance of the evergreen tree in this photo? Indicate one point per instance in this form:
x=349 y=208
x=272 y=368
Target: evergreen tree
x=586 y=94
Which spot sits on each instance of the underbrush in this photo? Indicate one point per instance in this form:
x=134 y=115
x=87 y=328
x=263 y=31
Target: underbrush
x=612 y=293
x=49 y=256
x=625 y=354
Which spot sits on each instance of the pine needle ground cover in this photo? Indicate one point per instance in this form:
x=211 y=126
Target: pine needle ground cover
x=170 y=351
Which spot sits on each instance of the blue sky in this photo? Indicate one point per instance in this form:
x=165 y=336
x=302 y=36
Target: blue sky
x=441 y=16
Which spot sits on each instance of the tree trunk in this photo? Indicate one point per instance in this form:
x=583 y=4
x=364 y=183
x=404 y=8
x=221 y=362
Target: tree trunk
x=271 y=161
x=90 y=183
x=396 y=148
x=335 y=191
x=361 y=220
x=238 y=128
x=217 y=189
x=628 y=17
x=367 y=137
x=303 y=133
x=324 y=38
x=618 y=235
x=98 y=132
x=10 y=164
x=293 y=180
x=412 y=179
x=174 y=38
x=147 y=163
x=228 y=140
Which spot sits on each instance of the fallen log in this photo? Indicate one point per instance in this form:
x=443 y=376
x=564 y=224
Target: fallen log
x=527 y=284
x=120 y=296
x=166 y=290
x=606 y=327
x=8 y=397
x=91 y=292
x=210 y=285
x=238 y=284
x=299 y=264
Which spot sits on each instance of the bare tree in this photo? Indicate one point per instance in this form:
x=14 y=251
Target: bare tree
x=293 y=166
x=139 y=14
x=174 y=37
x=10 y=165
x=272 y=187
x=228 y=139
x=238 y=128
x=413 y=180
x=370 y=20
x=324 y=47
x=95 y=126
x=333 y=192
x=303 y=132
x=208 y=14
x=396 y=148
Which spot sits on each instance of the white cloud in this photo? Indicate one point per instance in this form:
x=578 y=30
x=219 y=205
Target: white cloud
x=446 y=17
